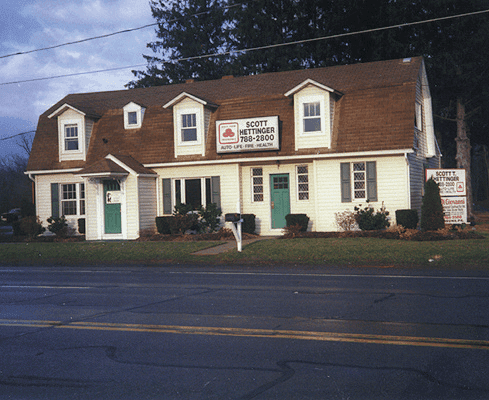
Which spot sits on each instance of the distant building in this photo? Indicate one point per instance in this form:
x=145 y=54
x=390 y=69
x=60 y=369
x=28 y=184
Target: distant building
x=314 y=141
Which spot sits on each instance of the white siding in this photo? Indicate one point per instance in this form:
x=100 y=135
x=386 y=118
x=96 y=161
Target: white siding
x=392 y=189
x=43 y=197
x=229 y=182
x=93 y=225
x=130 y=208
x=262 y=209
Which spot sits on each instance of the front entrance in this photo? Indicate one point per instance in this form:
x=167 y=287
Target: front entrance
x=280 y=199
x=112 y=207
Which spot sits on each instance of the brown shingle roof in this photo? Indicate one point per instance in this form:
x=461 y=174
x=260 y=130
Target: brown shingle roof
x=375 y=113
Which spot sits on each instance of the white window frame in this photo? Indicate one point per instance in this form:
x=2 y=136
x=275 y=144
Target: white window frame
x=418 y=117
x=255 y=184
x=355 y=175
x=183 y=194
x=302 y=195
x=133 y=108
x=64 y=153
x=199 y=123
x=79 y=199
x=310 y=99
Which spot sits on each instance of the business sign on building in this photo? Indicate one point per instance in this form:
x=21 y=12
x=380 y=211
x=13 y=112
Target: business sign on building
x=450 y=181
x=454 y=209
x=453 y=193
x=250 y=134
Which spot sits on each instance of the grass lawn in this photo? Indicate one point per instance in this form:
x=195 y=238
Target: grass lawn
x=316 y=251
x=369 y=251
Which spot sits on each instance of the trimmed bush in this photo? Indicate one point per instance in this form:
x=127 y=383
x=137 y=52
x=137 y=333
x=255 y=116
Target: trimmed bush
x=163 y=225
x=209 y=218
x=248 y=225
x=369 y=220
x=81 y=226
x=58 y=226
x=431 y=208
x=407 y=218
x=297 y=219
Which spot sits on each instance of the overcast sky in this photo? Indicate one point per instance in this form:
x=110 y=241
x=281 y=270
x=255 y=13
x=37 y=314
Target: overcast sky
x=32 y=24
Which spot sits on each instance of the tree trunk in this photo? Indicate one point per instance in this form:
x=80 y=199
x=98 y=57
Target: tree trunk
x=463 y=152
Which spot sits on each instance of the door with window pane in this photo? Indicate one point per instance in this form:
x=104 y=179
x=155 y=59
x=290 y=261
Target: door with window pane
x=112 y=207
x=280 y=199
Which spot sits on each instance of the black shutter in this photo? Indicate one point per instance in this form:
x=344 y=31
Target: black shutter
x=345 y=183
x=371 y=181
x=216 y=190
x=167 y=196
x=54 y=200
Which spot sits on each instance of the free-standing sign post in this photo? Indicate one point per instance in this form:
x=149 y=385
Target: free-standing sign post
x=453 y=193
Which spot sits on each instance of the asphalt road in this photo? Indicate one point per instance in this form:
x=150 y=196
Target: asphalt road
x=208 y=333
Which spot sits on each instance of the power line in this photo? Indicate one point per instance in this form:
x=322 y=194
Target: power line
x=258 y=48
x=78 y=41
x=18 y=134
x=109 y=34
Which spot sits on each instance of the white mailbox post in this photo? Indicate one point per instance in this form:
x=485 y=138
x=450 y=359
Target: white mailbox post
x=236 y=221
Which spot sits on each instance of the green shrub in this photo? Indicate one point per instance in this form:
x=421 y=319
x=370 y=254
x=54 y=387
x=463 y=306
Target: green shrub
x=163 y=225
x=431 y=208
x=248 y=225
x=29 y=226
x=58 y=226
x=297 y=219
x=369 y=220
x=179 y=224
x=209 y=218
x=407 y=218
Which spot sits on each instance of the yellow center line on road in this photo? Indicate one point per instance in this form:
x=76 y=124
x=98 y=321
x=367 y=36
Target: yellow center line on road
x=259 y=333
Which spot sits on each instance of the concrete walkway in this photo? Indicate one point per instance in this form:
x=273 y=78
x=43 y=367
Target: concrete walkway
x=229 y=245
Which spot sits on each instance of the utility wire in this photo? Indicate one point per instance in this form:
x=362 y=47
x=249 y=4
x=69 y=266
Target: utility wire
x=258 y=48
x=108 y=34
x=78 y=41
x=18 y=134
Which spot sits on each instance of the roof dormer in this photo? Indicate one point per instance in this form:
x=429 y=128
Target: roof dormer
x=133 y=115
x=191 y=117
x=74 y=131
x=313 y=114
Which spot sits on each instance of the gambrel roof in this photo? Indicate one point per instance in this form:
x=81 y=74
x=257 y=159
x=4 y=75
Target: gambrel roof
x=374 y=111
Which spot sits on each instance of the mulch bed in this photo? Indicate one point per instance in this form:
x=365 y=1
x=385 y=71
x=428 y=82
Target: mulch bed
x=414 y=235
x=226 y=234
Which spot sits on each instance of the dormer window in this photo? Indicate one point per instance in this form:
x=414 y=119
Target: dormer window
x=191 y=116
x=418 y=117
x=189 y=127
x=133 y=116
x=313 y=114
x=71 y=137
x=312 y=117
x=74 y=131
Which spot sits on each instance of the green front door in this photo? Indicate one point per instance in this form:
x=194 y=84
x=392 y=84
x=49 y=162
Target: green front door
x=280 y=199
x=112 y=200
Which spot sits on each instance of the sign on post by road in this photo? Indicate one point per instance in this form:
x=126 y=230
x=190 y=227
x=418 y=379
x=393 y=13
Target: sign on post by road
x=453 y=193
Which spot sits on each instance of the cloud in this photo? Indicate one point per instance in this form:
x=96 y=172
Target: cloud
x=44 y=23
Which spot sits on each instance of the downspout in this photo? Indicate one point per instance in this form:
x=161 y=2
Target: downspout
x=408 y=183
x=33 y=190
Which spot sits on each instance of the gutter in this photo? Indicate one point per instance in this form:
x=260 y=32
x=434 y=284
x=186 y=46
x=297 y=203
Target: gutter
x=284 y=158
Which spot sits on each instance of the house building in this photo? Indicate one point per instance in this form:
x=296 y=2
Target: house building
x=314 y=141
